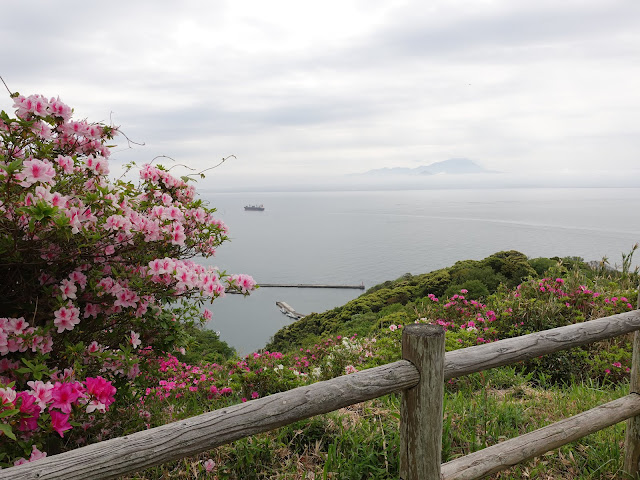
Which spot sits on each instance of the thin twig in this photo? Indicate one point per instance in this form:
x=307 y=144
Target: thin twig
x=128 y=139
x=216 y=166
x=192 y=169
x=180 y=165
x=161 y=156
x=35 y=311
x=5 y=86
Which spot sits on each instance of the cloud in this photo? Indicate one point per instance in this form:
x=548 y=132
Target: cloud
x=299 y=88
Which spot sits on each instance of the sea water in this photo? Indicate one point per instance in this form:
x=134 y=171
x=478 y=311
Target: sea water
x=369 y=237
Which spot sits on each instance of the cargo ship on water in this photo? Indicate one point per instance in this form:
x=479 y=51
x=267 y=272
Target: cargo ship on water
x=254 y=208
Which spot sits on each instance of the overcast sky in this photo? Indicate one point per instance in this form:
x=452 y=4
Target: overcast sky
x=337 y=87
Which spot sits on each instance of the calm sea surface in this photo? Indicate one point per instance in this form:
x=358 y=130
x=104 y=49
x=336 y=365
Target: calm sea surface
x=370 y=237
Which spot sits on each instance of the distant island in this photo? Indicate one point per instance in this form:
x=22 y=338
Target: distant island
x=453 y=166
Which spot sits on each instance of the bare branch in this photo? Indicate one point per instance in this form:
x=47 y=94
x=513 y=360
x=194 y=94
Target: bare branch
x=5 y=86
x=216 y=166
x=161 y=156
x=180 y=165
x=129 y=140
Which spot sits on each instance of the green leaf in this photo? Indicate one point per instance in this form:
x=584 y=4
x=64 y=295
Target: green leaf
x=13 y=166
x=43 y=210
x=27 y=363
x=8 y=413
x=6 y=429
x=61 y=220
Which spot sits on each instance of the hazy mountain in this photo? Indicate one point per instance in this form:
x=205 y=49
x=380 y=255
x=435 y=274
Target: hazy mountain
x=453 y=166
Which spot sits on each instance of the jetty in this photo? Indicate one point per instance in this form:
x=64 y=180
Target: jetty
x=309 y=285
x=289 y=311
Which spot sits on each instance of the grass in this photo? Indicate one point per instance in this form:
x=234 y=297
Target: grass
x=362 y=441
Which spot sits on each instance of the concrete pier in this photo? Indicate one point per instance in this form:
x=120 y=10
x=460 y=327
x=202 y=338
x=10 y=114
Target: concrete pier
x=308 y=285
x=289 y=311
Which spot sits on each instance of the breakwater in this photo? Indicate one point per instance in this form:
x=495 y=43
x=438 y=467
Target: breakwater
x=308 y=285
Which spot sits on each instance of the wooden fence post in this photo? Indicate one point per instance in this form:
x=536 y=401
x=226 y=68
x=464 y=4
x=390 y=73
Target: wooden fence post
x=421 y=410
x=632 y=436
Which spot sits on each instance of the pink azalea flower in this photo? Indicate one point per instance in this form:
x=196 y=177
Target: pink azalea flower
x=178 y=236
x=60 y=422
x=79 y=278
x=245 y=282
x=7 y=396
x=65 y=394
x=91 y=310
x=133 y=372
x=41 y=391
x=36 y=454
x=29 y=411
x=126 y=298
x=66 y=163
x=6 y=365
x=101 y=390
x=66 y=318
x=98 y=166
x=101 y=393
x=134 y=339
x=59 y=109
x=36 y=171
x=68 y=289
x=209 y=464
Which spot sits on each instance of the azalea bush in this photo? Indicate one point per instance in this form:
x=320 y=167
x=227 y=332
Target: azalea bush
x=91 y=270
x=534 y=305
x=171 y=389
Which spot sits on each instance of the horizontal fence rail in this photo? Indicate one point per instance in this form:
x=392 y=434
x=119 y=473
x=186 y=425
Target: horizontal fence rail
x=533 y=444
x=194 y=435
x=511 y=350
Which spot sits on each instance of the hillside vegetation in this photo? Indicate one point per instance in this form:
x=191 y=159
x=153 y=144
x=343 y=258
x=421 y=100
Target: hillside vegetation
x=476 y=302
x=400 y=300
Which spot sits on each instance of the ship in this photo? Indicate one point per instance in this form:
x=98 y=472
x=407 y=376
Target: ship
x=254 y=208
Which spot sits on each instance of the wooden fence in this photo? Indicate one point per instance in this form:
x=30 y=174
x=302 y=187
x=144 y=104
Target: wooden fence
x=420 y=376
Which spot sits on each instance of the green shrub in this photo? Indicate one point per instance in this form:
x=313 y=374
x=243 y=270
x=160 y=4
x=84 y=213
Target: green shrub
x=475 y=290
x=434 y=282
x=206 y=346
x=541 y=265
x=511 y=264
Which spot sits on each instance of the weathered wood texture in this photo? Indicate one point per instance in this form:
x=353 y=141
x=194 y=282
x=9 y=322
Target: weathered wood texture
x=180 y=439
x=511 y=452
x=505 y=352
x=632 y=435
x=421 y=406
